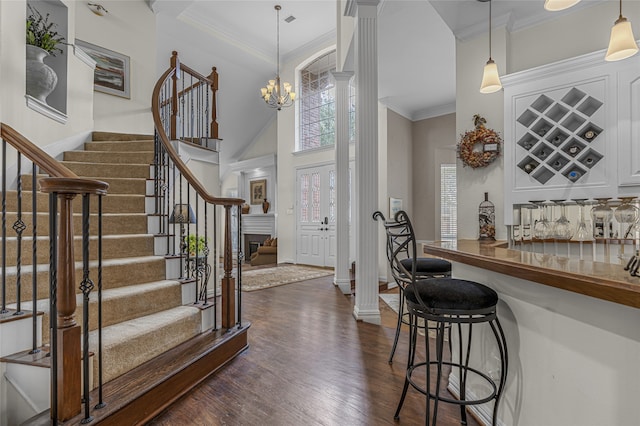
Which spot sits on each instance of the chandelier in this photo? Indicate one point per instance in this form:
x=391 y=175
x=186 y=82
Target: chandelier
x=277 y=94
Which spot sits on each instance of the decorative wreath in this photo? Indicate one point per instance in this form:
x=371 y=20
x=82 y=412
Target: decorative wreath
x=488 y=138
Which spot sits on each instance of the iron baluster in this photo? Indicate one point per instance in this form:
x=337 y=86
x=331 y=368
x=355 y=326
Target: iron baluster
x=207 y=251
x=86 y=286
x=191 y=113
x=34 y=261
x=215 y=270
x=19 y=227
x=173 y=187
x=101 y=403
x=196 y=261
x=239 y=265
x=3 y=310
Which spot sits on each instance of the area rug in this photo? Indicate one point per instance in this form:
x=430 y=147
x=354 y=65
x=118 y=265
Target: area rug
x=391 y=299
x=259 y=279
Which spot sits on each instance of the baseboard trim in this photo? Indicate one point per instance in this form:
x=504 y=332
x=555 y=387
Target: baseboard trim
x=482 y=413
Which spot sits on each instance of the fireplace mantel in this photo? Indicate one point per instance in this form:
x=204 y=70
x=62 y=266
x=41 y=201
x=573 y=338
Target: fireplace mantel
x=264 y=224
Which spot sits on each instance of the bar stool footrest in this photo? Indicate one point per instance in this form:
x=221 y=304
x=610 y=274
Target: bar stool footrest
x=465 y=402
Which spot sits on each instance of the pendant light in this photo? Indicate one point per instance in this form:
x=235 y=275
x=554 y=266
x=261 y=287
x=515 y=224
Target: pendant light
x=557 y=5
x=277 y=94
x=622 y=43
x=490 y=78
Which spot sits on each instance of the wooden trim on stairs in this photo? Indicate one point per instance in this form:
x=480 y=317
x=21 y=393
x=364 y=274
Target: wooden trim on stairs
x=44 y=161
x=175 y=158
x=142 y=393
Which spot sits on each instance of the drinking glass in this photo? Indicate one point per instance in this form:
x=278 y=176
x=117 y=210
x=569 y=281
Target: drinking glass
x=582 y=232
x=601 y=215
x=541 y=226
x=562 y=225
x=626 y=215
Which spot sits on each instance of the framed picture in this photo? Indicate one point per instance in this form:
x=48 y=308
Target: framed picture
x=258 y=191
x=395 y=205
x=112 y=72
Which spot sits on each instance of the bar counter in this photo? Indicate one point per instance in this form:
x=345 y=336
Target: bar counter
x=596 y=279
x=572 y=330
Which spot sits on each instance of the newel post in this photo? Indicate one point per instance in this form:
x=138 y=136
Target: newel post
x=175 y=64
x=213 y=77
x=228 y=282
x=68 y=351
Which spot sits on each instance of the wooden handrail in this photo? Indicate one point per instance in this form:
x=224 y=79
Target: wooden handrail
x=67 y=185
x=47 y=164
x=186 y=172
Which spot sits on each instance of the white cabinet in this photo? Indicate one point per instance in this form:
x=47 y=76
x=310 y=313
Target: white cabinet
x=629 y=126
x=572 y=130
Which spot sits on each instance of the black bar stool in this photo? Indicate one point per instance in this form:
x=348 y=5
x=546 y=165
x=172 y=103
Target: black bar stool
x=425 y=267
x=446 y=302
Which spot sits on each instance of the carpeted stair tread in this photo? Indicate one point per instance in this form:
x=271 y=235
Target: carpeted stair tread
x=112 y=203
x=94 y=170
x=115 y=273
x=114 y=136
x=120 y=146
x=129 y=344
x=112 y=223
x=116 y=185
x=142 y=312
x=119 y=304
x=113 y=246
x=113 y=157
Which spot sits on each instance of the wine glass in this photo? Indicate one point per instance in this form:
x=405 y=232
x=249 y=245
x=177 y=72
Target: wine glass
x=626 y=215
x=582 y=232
x=562 y=225
x=601 y=214
x=541 y=225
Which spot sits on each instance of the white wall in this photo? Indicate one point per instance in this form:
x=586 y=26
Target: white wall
x=587 y=30
x=434 y=140
x=584 y=31
x=471 y=57
x=345 y=29
x=572 y=358
x=39 y=129
x=288 y=162
x=568 y=353
x=130 y=29
x=265 y=143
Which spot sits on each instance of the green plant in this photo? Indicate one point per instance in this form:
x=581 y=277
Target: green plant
x=197 y=245
x=42 y=33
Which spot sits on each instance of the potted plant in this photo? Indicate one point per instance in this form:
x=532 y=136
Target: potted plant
x=42 y=40
x=197 y=246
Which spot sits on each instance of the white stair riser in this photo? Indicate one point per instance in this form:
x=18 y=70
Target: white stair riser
x=27 y=391
x=15 y=336
x=153 y=224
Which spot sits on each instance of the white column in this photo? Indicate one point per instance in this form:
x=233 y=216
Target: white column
x=366 y=66
x=342 y=278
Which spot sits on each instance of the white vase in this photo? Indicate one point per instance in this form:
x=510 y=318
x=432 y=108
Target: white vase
x=41 y=78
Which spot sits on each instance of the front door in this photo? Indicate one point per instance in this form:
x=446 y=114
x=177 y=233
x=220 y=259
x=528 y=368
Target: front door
x=316 y=215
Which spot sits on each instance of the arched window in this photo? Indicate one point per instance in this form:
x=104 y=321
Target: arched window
x=316 y=111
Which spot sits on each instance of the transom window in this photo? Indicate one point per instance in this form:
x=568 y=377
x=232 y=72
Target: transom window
x=316 y=111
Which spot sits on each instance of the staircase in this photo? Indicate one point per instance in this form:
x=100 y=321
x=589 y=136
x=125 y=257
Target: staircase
x=147 y=310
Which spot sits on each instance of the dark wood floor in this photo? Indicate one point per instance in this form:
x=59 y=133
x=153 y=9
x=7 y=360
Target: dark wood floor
x=309 y=363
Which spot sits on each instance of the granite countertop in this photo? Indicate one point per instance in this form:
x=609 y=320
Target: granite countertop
x=596 y=279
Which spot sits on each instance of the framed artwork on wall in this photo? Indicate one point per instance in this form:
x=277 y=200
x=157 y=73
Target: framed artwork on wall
x=258 y=191
x=395 y=205
x=112 y=73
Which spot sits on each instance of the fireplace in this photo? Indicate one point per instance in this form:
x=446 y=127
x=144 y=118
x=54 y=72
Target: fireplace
x=255 y=229
x=251 y=244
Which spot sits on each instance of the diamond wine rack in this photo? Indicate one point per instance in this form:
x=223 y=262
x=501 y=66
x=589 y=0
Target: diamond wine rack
x=559 y=135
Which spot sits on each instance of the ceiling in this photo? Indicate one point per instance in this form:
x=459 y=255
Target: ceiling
x=416 y=57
